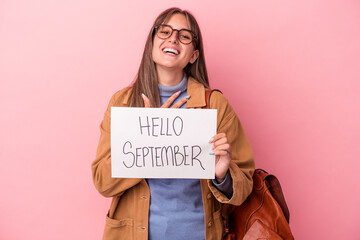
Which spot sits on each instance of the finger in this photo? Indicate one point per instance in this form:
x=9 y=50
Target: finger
x=146 y=101
x=179 y=103
x=217 y=137
x=220 y=142
x=170 y=100
x=220 y=153
x=225 y=147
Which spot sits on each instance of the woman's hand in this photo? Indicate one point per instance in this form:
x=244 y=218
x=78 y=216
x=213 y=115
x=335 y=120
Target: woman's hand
x=169 y=101
x=222 y=151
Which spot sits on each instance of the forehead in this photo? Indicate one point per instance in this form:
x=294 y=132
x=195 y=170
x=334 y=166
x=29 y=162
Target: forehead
x=178 y=21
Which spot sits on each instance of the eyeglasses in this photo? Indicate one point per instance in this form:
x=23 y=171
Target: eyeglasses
x=185 y=36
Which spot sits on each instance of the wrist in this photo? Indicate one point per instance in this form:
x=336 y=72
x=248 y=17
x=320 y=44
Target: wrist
x=220 y=180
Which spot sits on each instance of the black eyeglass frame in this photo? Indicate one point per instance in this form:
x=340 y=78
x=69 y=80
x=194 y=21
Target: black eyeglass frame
x=194 y=37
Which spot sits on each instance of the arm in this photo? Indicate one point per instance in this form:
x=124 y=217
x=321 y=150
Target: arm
x=241 y=165
x=101 y=166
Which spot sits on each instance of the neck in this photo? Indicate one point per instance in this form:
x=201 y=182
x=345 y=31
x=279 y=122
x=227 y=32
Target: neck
x=169 y=78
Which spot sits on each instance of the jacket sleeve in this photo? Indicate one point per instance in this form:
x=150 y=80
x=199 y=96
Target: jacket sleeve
x=242 y=165
x=101 y=166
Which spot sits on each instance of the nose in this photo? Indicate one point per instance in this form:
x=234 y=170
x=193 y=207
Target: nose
x=174 y=36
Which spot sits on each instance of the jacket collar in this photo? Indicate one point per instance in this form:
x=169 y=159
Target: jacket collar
x=197 y=94
x=195 y=89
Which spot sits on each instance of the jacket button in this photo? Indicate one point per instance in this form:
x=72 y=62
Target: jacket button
x=144 y=197
x=209 y=223
x=209 y=196
x=142 y=228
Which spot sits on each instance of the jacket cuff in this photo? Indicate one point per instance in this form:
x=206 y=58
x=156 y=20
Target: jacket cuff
x=225 y=186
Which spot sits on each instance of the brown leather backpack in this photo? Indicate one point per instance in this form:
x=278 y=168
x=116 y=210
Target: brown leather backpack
x=264 y=214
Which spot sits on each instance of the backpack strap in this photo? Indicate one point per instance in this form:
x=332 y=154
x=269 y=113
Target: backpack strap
x=208 y=93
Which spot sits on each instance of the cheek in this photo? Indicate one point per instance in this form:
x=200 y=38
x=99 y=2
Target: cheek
x=155 y=55
x=189 y=53
x=157 y=42
x=154 y=51
x=156 y=47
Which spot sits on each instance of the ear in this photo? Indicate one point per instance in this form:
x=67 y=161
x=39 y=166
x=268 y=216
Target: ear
x=194 y=56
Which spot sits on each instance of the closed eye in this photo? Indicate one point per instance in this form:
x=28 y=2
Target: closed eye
x=185 y=37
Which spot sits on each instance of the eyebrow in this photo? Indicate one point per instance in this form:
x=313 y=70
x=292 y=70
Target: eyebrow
x=176 y=28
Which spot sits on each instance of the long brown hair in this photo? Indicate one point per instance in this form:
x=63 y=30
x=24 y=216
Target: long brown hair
x=147 y=81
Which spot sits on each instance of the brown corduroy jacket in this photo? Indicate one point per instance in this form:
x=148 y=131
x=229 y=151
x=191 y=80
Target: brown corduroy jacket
x=128 y=215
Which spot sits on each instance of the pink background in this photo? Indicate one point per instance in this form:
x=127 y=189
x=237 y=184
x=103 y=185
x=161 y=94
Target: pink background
x=291 y=69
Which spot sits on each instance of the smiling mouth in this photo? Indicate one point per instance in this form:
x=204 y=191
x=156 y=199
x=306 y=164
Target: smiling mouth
x=171 y=51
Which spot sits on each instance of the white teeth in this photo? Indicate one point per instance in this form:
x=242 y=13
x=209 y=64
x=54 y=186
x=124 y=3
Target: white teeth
x=171 y=50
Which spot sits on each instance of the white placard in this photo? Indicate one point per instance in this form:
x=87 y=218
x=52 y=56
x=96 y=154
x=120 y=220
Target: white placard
x=162 y=143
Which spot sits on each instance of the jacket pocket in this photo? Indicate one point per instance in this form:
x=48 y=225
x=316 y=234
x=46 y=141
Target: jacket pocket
x=119 y=229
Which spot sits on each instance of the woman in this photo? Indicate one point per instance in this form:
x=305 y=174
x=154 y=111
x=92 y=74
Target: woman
x=172 y=73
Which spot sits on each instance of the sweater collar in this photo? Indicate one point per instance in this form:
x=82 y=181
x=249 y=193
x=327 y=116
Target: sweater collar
x=195 y=89
x=168 y=91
